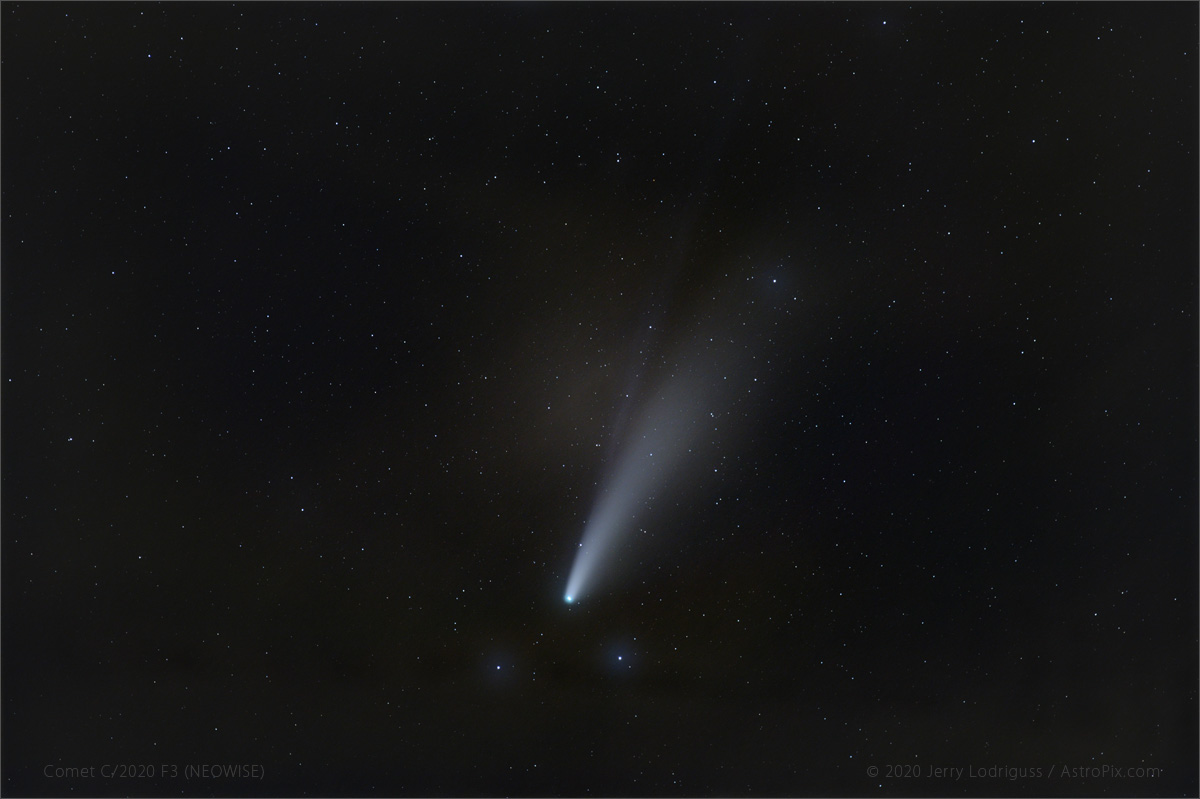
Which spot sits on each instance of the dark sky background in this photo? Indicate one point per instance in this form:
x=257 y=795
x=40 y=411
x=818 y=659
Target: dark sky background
x=323 y=323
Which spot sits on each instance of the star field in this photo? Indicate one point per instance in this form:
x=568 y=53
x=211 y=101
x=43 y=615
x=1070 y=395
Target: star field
x=327 y=327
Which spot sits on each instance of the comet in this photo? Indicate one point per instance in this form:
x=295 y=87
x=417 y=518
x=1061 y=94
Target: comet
x=684 y=416
x=693 y=409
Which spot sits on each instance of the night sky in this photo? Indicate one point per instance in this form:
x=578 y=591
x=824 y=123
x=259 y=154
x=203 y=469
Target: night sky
x=865 y=336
